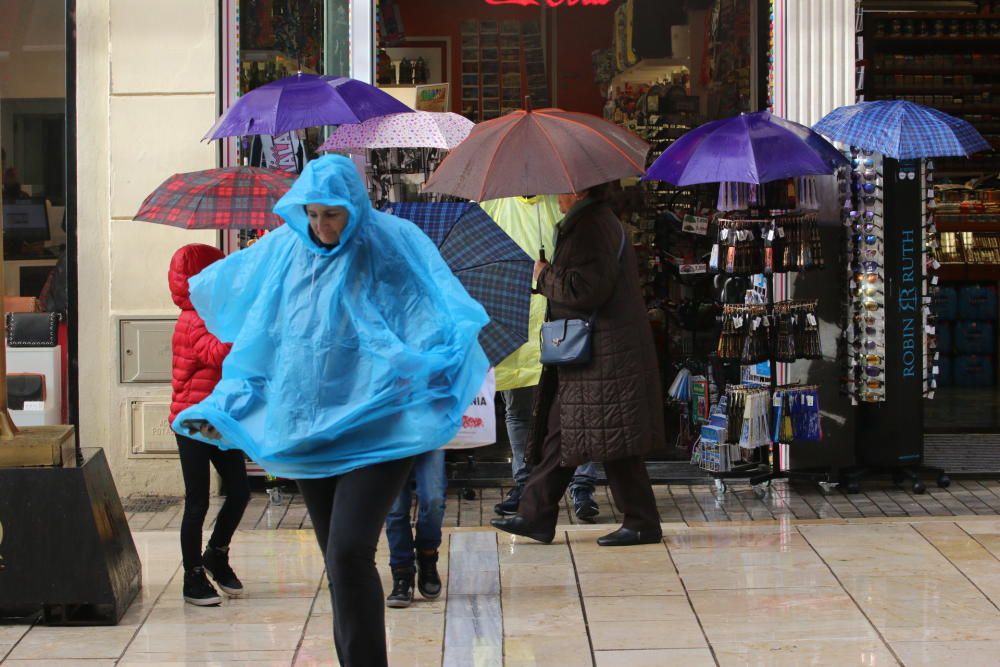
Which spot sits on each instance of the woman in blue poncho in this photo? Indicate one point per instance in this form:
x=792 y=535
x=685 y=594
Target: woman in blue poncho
x=354 y=350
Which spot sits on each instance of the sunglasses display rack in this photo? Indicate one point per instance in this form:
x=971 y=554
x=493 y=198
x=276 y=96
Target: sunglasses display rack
x=891 y=331
x=864 y=329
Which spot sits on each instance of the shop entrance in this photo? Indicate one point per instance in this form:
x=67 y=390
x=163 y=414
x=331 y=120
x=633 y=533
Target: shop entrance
x=946 y=55
x=657 y=68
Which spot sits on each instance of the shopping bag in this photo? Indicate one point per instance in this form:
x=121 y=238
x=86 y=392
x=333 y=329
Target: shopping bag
x=479 y=423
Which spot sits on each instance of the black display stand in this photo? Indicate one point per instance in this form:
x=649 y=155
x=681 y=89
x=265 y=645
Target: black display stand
x=890 y=435
x=65 y=545
x=763 y=473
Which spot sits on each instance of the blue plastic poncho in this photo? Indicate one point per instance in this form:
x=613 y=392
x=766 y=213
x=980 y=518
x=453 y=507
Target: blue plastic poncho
x=343 y=357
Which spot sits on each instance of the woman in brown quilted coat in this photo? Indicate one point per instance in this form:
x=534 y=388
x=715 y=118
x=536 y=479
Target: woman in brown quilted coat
x=609 y=410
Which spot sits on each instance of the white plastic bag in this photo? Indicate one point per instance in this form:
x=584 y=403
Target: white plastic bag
x=479 y=423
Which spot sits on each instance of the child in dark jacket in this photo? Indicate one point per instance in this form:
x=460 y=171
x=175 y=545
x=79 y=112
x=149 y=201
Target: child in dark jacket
x=197 y=368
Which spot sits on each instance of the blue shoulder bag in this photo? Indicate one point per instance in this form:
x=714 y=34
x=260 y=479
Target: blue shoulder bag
x=567 y=342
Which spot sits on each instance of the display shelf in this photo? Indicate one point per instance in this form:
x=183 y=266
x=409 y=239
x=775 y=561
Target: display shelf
x=959 y=222
x=944 y=69
x=985 y=272
x=650 y=68
x=936 y=38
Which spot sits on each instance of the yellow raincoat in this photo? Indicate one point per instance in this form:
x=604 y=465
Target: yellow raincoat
x=519 y=218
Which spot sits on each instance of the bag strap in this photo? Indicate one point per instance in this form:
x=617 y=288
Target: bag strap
x=593 y=316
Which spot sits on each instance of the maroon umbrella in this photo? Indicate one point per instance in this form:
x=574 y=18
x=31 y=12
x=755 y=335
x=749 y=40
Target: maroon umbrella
x=544 y=151
x=229 y=198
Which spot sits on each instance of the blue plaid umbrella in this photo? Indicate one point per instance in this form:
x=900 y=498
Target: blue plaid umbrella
x=491 y=266
x=901 y=130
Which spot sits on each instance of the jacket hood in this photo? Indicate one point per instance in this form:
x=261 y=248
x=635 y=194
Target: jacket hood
x=332 y=180
x=189 y=261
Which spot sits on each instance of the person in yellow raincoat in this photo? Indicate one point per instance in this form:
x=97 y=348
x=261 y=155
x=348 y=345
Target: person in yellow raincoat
x=531 y=222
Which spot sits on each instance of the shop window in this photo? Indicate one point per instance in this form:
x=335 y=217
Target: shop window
x=33 y=138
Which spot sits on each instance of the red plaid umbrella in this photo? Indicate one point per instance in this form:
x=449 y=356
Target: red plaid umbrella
x=229 y=198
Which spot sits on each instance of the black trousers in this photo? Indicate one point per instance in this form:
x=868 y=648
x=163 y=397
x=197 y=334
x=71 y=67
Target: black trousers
x=197 y=459
x=627 y=477
x=348 y=512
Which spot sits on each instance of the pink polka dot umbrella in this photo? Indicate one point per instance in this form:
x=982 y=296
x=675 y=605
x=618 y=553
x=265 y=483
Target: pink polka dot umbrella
x=421 y=129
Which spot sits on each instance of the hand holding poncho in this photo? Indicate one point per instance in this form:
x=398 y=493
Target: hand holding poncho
x=342 y=357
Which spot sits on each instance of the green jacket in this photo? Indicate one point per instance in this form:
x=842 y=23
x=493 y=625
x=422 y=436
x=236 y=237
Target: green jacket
x=532 y=224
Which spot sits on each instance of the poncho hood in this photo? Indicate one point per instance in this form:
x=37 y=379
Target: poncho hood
x=331 y=180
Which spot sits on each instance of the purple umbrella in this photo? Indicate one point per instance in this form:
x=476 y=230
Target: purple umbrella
x=301 y=101
x=749 y=148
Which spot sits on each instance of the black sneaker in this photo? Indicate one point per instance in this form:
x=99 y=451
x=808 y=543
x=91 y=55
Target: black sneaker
x=197 y=589
x=401 y=596
x=428 y=579
x=584 y=504
x=216 y=563
x=510 y=504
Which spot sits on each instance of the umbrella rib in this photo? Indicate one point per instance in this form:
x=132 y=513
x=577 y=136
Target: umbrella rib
x=606 y=140
x=569 y=179
x=482 y=191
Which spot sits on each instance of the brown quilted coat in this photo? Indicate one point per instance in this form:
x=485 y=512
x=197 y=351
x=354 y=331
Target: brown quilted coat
x=612 y=407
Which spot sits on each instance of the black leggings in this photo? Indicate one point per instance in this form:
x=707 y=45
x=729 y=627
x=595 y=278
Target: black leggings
x=196 y=461
x=348 y=512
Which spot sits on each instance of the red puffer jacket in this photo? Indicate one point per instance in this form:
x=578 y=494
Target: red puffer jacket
x=198 y=355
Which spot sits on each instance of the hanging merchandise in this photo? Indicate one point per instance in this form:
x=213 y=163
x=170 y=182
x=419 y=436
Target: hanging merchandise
x=680 y=388
x=747 y=415
x=740 y=248
x=745 y=331
x=796 y=331
x=796 y=415
x=797 y=242
x=701 y=399
x=865 y=333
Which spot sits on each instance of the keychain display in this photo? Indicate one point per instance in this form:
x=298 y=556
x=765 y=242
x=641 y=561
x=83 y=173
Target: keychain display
x=797 y=242
x=751 y=334
x=745 y=332
x=796 y=331
x=781 y=243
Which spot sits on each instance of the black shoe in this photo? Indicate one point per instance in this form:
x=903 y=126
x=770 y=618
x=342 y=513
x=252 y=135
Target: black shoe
x=216 y=563
x=626 y=537
x=401 y=596
x=516 y=525
x=428 y=579
x=508 y=506
x=197 y=589
x=584 y=504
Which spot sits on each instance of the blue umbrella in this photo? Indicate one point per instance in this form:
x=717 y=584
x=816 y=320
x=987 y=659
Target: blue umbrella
x=749 y=148
x=304 y=100
x=901 y=130
x=491 y=266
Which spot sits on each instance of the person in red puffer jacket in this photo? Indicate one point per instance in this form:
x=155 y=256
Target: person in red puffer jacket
x=197 y=368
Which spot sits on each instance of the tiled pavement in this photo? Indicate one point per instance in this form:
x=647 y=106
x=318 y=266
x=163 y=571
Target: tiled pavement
x=690 y=504
x=855 y=592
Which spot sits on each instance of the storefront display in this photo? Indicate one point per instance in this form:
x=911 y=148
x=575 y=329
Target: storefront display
x=947 y=58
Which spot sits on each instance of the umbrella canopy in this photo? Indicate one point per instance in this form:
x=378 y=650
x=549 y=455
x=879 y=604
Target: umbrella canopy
x=901 y=130
x=229 y=198
x=301 y=101
x=491 y=266
x=421 y=129
x=548 y=151
x=749 y=148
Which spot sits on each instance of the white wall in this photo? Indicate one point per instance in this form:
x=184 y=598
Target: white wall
x=146 y=93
